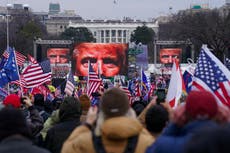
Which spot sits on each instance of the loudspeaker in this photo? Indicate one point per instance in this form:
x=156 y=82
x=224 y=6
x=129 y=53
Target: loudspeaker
x=39 y=53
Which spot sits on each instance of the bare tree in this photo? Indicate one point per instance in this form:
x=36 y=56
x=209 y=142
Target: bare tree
x=204 y=27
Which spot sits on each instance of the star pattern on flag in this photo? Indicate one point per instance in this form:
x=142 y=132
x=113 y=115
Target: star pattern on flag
x=208 y=71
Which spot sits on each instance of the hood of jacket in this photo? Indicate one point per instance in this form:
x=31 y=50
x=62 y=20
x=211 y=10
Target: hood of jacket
x=120 y=128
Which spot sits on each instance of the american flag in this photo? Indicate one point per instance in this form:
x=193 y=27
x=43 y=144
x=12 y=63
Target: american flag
x=212 y=75
x=20 y=82
x=70 y=84
x=57 y=92
x=127 y=92
x=137 y=89
x=20 y=58
x=31 y=59
x=93 y=82
x=37 y=74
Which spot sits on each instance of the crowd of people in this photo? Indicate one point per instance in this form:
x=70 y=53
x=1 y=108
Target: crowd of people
x=74 y=125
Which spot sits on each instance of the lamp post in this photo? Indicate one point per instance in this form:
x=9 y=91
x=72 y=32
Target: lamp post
x=7 y=29
x=8 y=6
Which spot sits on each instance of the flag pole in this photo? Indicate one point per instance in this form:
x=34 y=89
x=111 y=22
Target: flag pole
x=20 y=83
x=99 y=70
x=88 y=77
x=141 y=79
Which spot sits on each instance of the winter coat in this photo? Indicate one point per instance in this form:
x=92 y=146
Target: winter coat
x=34 y=121
x=42 y=112
x=57 y=135
x=114 y=133
x=174 y=138
x=50 y=122
x=19 y=144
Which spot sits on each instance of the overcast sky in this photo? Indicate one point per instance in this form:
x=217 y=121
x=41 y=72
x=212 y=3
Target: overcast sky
x=117 y=9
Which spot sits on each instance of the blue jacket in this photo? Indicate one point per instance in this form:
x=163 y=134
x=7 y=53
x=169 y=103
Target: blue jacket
x=174 y=138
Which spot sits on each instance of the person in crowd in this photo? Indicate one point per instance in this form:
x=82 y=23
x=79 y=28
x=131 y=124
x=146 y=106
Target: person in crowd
x=39 y=104
x=58 y=55
x=107 y=59
x=156 y=119
x=155 y=116
x=69 y=115
x=210 y=140
x=54 y=118
x=34 y=120
x=85 y=105
x=117 y=128
x=138 y=106
x=15 y=134
x=199 y=112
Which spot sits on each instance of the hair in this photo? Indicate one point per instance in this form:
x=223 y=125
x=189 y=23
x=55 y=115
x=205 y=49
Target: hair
x=138 y=107
x=70 y=108
x=156 y=118
x=12 y=122
x=39 y=100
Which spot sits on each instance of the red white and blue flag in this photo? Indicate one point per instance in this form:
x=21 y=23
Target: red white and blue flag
x=37 y=74
x=93 y=82
x=20 y=58
x=70 y=85
x=212 y=75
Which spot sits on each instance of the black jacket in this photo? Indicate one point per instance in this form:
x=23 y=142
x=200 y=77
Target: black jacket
x=19 y=144
x=59 y=133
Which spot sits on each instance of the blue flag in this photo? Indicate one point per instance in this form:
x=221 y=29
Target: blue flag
x=144 y=80
x=187 y=77
x=9 y=72
x=2 y=62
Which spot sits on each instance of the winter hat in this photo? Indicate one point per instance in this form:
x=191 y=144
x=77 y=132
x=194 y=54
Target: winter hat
x=114 y=102
x=85 y=102
x=201 y=104
x=70 y=108
x=13 y=122
x=12 y=100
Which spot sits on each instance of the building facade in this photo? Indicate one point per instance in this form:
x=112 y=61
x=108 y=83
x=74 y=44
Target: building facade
x=113 y=31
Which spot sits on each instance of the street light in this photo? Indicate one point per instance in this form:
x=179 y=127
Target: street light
x=8 y=6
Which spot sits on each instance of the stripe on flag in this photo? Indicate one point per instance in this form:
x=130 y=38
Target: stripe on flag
x=37 y=74
x=212 y=75
x=70 y=84
x=94 y=82
x=20 y=58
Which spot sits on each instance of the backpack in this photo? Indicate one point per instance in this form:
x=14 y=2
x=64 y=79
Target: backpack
x=99 y=147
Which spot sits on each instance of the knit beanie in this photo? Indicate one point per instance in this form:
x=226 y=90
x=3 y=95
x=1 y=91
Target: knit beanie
x=70 y=108
x=12 y=100
x=114 y=102
x=201 y=104
x=12 y=121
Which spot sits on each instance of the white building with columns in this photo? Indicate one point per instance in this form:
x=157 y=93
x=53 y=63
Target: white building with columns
x=113 y=31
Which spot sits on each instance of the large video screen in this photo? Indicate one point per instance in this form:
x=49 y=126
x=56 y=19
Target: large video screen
x=59 y=60
x=167 y=55
x=107 y=59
